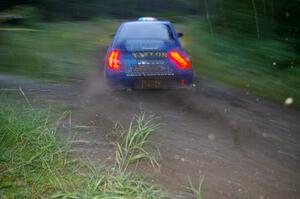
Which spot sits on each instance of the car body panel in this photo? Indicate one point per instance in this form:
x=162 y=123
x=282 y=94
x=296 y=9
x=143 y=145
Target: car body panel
x=145 y=60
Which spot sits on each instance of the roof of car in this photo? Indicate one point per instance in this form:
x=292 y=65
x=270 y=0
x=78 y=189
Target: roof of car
x=148 y=20
x=152 y=22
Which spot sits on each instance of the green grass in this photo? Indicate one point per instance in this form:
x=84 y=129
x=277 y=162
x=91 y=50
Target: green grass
x=54 y=51
x=131 y=142
x=34 y=162
x=265 y=67
x=196 y=190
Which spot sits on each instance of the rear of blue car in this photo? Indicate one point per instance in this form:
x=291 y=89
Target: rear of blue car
x=147 y=55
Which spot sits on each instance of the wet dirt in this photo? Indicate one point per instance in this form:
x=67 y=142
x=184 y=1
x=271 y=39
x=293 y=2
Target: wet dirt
x=244 y=146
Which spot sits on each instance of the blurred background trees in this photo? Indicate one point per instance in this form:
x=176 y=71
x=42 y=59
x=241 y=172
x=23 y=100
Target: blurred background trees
x=258 y=19
x=269 y=16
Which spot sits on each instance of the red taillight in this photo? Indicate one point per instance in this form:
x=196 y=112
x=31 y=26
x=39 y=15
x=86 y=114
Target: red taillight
x=179 y=59
x=113 y=60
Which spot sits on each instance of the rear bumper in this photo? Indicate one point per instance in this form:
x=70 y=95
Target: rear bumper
x=165 y=81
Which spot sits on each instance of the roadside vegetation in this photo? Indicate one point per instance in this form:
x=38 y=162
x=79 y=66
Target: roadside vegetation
x=196 y=190
x=34 y=162
x=61 y=51
x=265 y=67
x=67 y=51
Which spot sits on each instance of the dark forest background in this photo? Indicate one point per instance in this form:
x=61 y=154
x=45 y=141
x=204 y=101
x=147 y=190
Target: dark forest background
x=251 y=16
x=271 y=15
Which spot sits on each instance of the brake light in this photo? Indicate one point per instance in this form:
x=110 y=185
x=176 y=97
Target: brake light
x=114 y=59
x=181 y=61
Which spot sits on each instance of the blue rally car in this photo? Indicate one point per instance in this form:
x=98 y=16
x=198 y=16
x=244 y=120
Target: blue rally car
x=147 y=54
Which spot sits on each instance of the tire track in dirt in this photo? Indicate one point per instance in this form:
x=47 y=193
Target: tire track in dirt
x=245 y=147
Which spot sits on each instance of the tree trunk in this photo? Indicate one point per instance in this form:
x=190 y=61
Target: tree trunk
x=208 y=17
x=256 y=19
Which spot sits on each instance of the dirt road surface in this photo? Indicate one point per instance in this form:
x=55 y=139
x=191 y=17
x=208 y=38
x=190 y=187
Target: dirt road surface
x=244 y=146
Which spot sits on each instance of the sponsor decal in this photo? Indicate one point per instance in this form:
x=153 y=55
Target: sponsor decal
x=149 y=54
x=150 y=62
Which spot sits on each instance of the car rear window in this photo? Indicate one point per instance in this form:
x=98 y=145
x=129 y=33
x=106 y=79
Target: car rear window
x=145 y=31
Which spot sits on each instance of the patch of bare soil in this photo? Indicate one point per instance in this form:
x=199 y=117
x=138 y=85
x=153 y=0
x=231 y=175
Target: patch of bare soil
x=244 y=146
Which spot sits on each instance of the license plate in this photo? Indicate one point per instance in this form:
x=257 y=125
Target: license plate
x=150 y=69
x=149 y=83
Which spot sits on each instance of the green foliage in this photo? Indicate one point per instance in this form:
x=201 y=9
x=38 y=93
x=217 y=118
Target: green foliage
x=76 y=9
x=196 y=190
x=34 y=164
x=28 y=13
x=59 y=51
x=31 y=159
x=132 y=141
x=272 y=17
x=266 y=19
x=267 y=67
